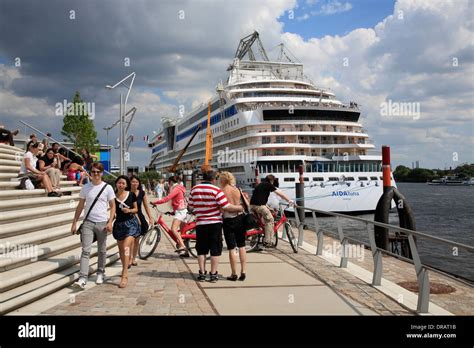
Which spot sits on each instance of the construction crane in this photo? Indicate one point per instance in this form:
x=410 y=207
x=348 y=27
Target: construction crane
x=173 y=167
x=245 y=46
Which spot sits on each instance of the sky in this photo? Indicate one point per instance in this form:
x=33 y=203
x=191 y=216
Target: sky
x=383 y=54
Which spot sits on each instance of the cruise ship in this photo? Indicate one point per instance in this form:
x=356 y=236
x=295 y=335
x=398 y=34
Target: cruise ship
x=270 y=118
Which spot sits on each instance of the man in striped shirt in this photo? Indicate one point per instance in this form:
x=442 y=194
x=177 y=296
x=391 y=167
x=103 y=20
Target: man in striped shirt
x=206 y=201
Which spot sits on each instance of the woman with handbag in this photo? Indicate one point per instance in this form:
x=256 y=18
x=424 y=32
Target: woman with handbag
x=234 y=226
x=126 y=226
x=145 y=222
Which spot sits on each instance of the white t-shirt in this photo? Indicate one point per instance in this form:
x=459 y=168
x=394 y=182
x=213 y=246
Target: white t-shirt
x=99 y=212
x=33 y=160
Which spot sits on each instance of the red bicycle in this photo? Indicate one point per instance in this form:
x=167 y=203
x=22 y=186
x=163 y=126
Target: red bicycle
x=150 y=240
x=254 y=237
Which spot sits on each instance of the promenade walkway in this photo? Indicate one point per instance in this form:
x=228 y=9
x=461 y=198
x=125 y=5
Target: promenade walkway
x=278 y=282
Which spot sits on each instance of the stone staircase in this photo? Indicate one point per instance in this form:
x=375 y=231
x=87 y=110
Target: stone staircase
x=38 y=254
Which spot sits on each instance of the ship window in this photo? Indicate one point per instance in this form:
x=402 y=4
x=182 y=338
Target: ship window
x=318 y=179
x=350 y=178
x=373 y=178
x=364 y=178
x=266 y=140
x=333 y=179
x=306 y=179
x=289 y=179
x=275 y=127
x=381 y=178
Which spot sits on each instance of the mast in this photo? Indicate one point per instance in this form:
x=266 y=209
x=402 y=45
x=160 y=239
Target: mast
x=208 y=137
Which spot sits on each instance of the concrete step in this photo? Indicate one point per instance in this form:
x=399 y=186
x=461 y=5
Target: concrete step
x=32 y=291
x=9 y=162
x=9 y=169
x=8 y=185
x=37 y=212
x=12 y=157
x=37 y=237
x=11 y=150
x=32 y=253
x=15 y=204
x=8 y=176
x=5 y=147
x=31 y=225
x=22 y=275
x=20 y=194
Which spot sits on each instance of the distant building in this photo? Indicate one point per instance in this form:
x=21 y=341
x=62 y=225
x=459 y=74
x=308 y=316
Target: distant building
x=417 y=164
x=133 y=170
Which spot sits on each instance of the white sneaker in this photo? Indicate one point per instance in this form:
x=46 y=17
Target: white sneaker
x=81 y=283
x=100 y=278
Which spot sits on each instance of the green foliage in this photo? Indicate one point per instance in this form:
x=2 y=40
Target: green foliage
x=405 y=174
x=78 y=128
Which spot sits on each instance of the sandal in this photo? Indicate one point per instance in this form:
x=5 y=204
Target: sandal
x=233 y=277
x=123 y=282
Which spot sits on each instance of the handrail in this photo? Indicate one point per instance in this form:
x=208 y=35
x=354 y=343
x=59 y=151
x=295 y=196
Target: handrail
x=60 y=143
x=421 y=269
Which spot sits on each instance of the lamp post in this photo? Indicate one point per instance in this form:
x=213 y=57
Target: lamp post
x=122 y=117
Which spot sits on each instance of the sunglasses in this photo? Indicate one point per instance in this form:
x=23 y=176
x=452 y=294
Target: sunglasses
x=95 y=172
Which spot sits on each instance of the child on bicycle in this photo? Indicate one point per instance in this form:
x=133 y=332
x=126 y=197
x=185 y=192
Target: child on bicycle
x=178 y=201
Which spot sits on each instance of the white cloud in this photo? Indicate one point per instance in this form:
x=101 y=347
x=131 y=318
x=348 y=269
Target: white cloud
x=405 y=60
x=408 y=59
x=303 y=17
x=333 y=7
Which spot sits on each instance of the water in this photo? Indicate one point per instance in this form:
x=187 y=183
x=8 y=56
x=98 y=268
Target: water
x=440 y=211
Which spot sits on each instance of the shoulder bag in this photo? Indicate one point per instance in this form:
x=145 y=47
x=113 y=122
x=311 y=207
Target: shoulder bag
x=79 y=230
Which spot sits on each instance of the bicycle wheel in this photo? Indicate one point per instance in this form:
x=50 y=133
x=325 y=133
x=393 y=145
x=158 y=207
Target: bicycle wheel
x=149 y=242
x=251 y=242
x=190 y=244
x=291 y=237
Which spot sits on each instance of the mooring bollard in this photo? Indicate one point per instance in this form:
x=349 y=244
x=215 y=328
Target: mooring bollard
x=299 y=187
x=382 y=234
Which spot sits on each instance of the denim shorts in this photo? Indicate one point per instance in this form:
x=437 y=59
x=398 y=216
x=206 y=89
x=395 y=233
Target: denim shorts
x=127 y=228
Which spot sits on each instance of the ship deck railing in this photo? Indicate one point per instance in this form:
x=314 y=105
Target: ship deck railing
x=377 y=252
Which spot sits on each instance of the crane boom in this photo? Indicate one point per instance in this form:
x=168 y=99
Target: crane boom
x=172 y=169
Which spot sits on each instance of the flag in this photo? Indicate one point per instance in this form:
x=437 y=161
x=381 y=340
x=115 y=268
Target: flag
x=145 y=138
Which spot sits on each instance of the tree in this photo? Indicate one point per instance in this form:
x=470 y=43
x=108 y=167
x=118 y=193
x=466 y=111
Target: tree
x=78 y=127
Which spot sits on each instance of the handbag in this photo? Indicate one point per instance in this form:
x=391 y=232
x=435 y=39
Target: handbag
x=250 y=221
x=79 y=230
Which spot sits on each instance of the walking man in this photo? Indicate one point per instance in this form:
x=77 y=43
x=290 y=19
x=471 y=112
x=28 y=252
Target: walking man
x=96 y=196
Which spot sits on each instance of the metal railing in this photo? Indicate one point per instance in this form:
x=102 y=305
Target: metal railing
x=420 y=268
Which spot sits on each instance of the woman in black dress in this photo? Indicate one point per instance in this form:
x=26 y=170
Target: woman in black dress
x=145 y=220
x=126 y=227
